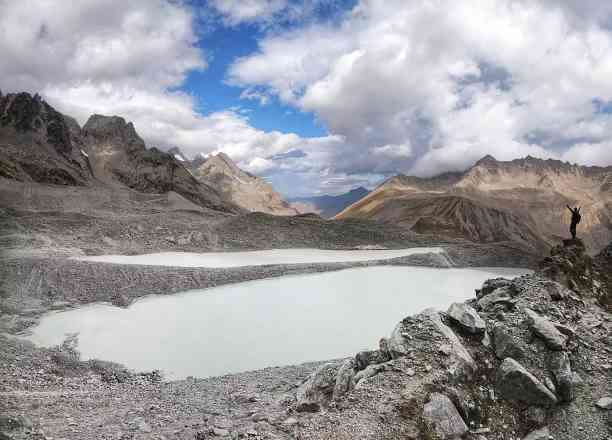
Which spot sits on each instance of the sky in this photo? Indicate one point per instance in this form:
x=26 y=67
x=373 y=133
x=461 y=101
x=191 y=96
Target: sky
x=321 y=96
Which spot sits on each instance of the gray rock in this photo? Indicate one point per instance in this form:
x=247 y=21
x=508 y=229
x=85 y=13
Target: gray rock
x=219 y=432
x=344 y=379
x=396 y=342
x=291 y=421
x=365 y=358
x=461 y=365
x=502 y=295
x=371 y=370
x=466 y=317
x=443 y=418
x=505 y=344
x=604 y=403
x=489 y=286
x=546 y=330
x=515 y=383
x=538 y=434
x=560 y=367
x=318 y=389
x=535 y=415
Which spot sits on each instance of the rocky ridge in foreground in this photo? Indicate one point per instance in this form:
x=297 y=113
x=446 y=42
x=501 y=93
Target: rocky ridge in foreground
x=525 y=359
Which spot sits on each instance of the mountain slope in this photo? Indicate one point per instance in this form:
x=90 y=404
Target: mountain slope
x=117 y=153
x=244 y=189
x=328 y=206
x=39 y=144
x=521 y=200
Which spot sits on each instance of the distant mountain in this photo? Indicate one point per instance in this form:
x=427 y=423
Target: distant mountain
x=328 y=206
x=240 y=187
x=522 y=201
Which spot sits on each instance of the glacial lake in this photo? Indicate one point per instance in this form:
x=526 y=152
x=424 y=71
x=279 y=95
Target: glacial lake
x=258 y=258
x=257 y=324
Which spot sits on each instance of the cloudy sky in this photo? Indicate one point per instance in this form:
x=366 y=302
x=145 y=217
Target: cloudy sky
x=319 y=96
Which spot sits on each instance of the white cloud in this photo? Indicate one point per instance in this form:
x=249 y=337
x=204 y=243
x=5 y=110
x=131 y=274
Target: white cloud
x=590 y=154
x=452 y=80
x=402 y=85
x=239 y=11
x=124 y=58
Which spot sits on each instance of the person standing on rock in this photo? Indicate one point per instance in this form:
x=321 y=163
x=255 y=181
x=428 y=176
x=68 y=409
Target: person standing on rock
x=575 y=220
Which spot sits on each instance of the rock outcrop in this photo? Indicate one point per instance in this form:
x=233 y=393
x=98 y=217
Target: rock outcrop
x=117 y=153
x=39 y=144
x=509 y=367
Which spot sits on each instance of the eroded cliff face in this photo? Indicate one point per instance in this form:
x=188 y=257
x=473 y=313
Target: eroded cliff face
x=117 y=153
x=244 y=189
x=37 y=144
x=523 y=200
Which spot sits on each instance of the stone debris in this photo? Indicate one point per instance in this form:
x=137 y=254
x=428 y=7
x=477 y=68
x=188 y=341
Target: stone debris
x=466 y=317
x=318 y=389
x=443 y=417
x=553 y=338
x=515 y=383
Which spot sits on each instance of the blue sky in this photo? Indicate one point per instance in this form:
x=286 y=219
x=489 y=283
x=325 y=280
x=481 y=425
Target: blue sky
x=321 y=96
x=223 y=43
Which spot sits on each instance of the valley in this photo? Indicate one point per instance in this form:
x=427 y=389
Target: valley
x=119 y=260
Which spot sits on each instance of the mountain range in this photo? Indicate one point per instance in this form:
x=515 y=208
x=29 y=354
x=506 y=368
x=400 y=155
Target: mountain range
x=522 y=201
x=328 y=206
x=39 y=144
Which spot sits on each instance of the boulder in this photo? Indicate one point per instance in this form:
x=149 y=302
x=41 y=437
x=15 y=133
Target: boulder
x=491 y=285
x=467 y=318
x=546 y=330
x=461 y=364
x=515 y=383
x=538 y=434
x=318 y=389
x=344 y=379
x=370 y=371
x=502 y=295
x=559 y=363
x=505 y=344
x=365 y=358
x=443 y=418
x=396 y=343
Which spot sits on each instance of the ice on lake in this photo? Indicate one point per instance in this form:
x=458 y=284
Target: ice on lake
x=263 y=323
x=258 y=258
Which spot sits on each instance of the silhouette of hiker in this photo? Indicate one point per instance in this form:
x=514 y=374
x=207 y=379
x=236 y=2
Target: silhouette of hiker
x=575 y=220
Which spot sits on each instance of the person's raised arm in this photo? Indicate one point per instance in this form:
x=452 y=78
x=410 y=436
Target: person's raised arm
x=568 y=207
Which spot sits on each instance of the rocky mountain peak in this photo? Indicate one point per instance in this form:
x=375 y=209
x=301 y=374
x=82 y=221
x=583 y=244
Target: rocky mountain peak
x=27 y=113
x=177 y=154
x=40 y=144
x=221 y=163
x=486 y=161
x=113 y=128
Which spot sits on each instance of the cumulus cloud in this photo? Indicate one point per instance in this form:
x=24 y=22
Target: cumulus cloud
x=129 y=59
x=239 y=11
x=408 y=86
x=449 y=81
